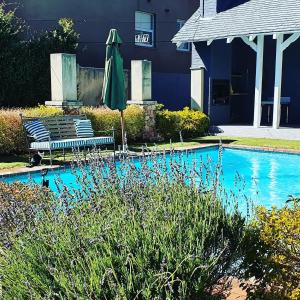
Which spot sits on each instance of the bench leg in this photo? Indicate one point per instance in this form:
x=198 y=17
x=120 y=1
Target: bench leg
x=50 y=152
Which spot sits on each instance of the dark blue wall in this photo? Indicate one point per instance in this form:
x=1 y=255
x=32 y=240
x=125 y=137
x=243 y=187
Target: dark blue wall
x=220 y=69
x=227 y=4
x=171 y=89
x=217 y=63
x=291 y=80
x=243 y=73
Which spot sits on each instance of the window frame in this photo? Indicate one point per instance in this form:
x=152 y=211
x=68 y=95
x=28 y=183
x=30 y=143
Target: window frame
x=181 y=23
x=152 y=31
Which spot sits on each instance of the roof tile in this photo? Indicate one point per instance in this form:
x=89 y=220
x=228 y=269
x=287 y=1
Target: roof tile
x=252 y=17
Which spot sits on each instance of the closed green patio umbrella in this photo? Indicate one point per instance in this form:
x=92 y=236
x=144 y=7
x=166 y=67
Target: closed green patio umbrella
x=113 y=92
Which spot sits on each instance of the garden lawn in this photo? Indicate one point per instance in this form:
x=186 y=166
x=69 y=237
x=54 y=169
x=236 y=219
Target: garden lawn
x=253 y=142
x=13 y=161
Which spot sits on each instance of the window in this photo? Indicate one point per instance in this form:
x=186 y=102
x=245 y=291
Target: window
x=144 y=29
x=183 y=46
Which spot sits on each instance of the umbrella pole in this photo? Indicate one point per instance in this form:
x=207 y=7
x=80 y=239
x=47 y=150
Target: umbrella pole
x=123 y=130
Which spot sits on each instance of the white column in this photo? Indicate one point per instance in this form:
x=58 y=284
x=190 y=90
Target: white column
x=63 y=81
x=258 y=81
x=197 y=89
x=278 y=81
x=141 y=80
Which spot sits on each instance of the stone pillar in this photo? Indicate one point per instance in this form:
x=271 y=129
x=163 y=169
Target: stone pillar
x=197 y=89
x=150 y=133
x=141 y=95
x=141 y=80
x=64 y=82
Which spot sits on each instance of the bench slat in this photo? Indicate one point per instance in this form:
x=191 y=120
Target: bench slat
x=62 y=127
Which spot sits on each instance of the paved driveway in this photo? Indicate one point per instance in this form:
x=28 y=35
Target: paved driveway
x=285 y=133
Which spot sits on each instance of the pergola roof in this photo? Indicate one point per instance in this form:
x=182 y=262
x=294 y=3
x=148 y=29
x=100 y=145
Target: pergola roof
x=251 y=18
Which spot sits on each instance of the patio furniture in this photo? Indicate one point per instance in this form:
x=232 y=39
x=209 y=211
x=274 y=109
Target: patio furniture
x=283 y=101
x=63 y=132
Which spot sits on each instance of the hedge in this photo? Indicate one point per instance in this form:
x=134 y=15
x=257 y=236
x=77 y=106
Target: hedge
x=12 y=137
x=169 y=124
x=104 y=119
x=189 y=122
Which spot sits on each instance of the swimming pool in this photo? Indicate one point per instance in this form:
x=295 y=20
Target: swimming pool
x=267 y=178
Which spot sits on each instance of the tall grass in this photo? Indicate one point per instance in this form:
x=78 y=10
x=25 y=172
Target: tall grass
x=133 y=230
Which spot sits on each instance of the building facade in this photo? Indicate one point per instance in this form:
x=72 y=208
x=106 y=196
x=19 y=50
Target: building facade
x=247 y=52
x=146 y=27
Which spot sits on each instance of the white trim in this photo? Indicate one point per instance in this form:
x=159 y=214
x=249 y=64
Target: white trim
x=249 y=43
x=278 y=82
x=281 y=46
x=237 y=36
x=150 y=31
x=293 y=38
x=230 y=39
x=258 y=81
x=209 y=42
x=252 y=37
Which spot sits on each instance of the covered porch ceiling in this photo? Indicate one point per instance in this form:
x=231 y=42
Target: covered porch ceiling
x=251 y=22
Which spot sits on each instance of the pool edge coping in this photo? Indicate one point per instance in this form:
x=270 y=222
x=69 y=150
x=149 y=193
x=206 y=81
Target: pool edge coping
x=23 y=171
x=262 y=149
x=26 y=171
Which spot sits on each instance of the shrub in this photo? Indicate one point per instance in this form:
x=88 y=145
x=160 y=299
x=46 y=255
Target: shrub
x=142 y=234
x=274 y=253
x=12 y=137
x=105 y=119
x=191 y=123
x=42 y=111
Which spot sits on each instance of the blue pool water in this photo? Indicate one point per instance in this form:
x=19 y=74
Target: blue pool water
x=266 y=178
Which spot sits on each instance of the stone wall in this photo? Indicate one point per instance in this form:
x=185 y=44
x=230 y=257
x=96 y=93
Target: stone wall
x=89 y=85
x=150 y=132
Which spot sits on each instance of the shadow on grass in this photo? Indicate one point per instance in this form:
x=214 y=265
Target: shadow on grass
x=216 y=141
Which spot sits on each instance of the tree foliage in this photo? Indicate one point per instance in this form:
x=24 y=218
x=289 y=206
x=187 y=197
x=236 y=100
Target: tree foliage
x=25 y=63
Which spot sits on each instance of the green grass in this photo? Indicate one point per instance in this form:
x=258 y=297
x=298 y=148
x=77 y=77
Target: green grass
x=254 y=142
x=13 y=161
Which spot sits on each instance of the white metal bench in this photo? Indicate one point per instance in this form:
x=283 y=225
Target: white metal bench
x=63 y=135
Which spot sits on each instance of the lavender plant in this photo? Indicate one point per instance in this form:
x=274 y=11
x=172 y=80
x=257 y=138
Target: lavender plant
x=154 y=228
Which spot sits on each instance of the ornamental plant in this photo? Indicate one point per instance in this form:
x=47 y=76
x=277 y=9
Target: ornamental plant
x=274 y=252
x=143 y=229
x=186 y=122
x=19 y=206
